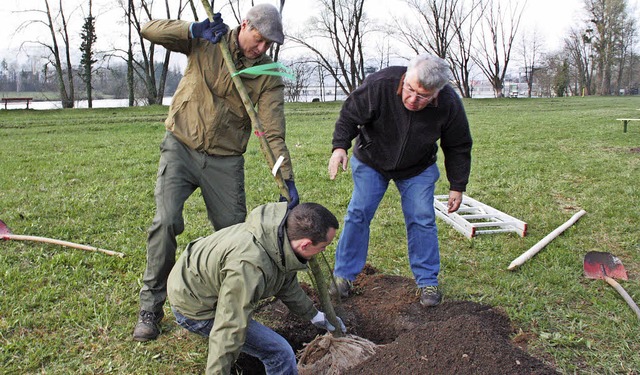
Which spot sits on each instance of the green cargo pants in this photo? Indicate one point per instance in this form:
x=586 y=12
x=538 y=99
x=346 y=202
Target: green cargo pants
x=181 y=171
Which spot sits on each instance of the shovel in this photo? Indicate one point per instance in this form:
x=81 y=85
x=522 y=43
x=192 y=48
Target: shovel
x=601 y=265
x=5 y=234
x=273 y=163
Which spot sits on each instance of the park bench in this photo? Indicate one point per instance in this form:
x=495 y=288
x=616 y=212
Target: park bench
x=625 y=122
x=7 y=100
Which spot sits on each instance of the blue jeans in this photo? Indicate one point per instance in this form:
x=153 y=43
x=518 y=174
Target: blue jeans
x=416 y=194
x=261 y=342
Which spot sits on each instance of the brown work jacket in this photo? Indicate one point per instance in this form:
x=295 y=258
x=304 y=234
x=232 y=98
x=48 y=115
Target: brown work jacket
x=207 y=113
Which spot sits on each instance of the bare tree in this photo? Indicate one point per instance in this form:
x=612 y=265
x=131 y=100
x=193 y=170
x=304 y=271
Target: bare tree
x=547 y=75
x=343 y=24
x=144 y=64
x=303 y=70
x=625 y=53
x=497 y=34
x=434 y=28
x=578 y=47
x=608 y=18
x=130 y=67
x=531 y=50
x=57 y=25
x=460 y=54
x=383 y=53
x=443 y=28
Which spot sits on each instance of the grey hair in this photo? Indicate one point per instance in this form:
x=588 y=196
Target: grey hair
x=432 y=71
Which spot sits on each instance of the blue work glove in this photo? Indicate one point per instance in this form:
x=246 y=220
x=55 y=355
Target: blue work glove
x=293 y=193
x=211 y=31
x=320 y=321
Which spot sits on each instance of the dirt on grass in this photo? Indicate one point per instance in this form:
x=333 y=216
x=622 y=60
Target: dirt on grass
x=456 y=337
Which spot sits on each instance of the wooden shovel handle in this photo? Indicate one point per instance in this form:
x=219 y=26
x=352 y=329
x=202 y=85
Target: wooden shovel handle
x=59 y=242
x=623 y=293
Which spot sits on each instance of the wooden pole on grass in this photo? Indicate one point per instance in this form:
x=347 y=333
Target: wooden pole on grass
x=545 y=241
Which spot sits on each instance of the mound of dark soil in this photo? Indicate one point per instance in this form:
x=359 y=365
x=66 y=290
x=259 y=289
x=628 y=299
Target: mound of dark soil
x=457 y=337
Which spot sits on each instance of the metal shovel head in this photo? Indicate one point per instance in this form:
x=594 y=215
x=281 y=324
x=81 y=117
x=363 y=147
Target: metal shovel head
x=4 y=230
x=599 y=264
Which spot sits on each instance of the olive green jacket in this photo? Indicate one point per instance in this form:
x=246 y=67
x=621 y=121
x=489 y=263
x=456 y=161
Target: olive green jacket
x=224 y=276
x=207 y=113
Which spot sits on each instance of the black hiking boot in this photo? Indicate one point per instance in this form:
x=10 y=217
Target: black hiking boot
x=148 y=326
x=430 y=296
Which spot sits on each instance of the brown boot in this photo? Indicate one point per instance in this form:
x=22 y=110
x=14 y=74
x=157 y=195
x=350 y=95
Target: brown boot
x=148 y=326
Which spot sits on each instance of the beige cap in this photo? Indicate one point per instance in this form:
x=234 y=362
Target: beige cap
x=268 y=21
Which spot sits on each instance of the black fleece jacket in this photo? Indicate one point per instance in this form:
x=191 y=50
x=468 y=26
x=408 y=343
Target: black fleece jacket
x=400 y=143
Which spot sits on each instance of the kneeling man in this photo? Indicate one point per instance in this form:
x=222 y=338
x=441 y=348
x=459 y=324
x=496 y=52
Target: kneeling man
x=218 y=280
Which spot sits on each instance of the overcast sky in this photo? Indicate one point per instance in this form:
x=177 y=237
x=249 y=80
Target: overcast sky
x=551 y=18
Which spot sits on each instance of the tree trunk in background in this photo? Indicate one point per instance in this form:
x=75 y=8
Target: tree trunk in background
x=531 y=50
x=578 y=47
x=466 y=21
x=498 y=31
x=65 y=37
x=608 y=18
x=343 y=24
x=65 y=83
x=433 y=29
x=130 y=80
x=153 y=75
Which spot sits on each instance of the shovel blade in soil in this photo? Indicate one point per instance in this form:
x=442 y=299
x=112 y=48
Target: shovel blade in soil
x=599 y=264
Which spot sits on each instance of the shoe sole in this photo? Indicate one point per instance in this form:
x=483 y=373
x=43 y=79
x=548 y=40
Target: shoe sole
x=143 y=339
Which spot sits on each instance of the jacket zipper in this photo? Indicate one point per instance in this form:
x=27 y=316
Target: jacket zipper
x=404 y=141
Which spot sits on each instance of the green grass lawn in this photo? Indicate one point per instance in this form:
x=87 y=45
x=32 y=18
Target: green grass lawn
x=88 y=176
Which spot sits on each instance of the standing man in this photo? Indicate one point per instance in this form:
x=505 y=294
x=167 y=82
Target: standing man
x=208 y=129
x=218 y=280
x=396 y=116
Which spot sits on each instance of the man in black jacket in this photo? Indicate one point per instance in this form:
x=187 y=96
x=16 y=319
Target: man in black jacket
x=396 y=116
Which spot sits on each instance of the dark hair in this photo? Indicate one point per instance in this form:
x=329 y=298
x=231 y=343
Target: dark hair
x=310 y=220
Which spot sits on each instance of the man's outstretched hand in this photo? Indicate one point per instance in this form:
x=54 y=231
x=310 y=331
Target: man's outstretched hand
x=338 y=158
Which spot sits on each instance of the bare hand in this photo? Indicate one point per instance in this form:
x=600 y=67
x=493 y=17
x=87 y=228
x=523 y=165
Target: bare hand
x=339 y=157
x=455 y=199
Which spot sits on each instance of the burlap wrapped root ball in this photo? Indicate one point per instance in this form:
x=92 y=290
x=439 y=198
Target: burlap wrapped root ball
x=329 y=355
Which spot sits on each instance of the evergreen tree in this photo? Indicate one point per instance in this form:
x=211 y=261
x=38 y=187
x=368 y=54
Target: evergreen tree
x=561 y=79
x=87 y=60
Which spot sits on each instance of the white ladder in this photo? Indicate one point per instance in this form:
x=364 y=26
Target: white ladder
x=474 y=218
